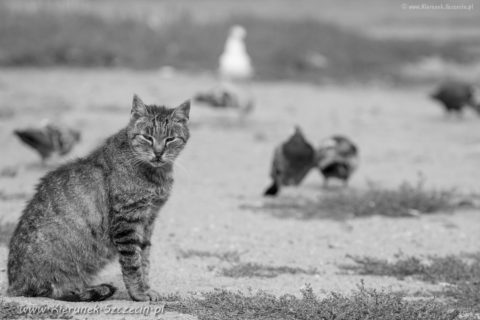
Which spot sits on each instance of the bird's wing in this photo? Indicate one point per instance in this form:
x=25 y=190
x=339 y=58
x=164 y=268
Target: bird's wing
x=38 y=139
x=63 y=139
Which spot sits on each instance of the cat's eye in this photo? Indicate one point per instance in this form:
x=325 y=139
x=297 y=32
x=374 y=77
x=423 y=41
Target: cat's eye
x=147 y=138
x=169 y=139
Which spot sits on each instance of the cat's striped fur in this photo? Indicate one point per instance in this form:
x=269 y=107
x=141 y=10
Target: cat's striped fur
x=90 y=211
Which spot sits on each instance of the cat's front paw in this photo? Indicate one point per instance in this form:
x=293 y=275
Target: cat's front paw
x=149 y=295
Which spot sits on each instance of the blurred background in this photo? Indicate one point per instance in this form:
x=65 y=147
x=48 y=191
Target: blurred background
x=307 y=40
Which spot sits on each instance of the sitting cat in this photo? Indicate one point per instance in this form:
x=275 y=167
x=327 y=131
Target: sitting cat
x=292 y=160
x=88 y=212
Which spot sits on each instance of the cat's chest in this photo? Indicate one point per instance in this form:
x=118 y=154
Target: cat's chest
x=151 y=191
x=160 y=191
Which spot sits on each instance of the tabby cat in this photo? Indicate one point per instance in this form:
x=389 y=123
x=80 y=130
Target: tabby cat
x=88 y=212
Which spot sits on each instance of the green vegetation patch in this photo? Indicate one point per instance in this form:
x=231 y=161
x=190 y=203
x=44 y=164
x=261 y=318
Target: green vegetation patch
x=256 y=270
x=361 y=304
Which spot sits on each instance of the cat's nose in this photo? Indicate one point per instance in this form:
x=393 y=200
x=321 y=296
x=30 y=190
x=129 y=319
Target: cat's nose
x=158 y=155
x=158 y=149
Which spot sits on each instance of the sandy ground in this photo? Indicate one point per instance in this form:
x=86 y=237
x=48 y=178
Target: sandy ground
x=224 y=169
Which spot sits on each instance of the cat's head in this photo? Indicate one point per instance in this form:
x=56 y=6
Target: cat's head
x=157 y=134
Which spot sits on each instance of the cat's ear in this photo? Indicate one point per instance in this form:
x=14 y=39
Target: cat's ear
x=138 y=107
x=182 y=112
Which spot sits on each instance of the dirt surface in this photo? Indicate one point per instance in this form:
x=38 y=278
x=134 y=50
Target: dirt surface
x=223 y=171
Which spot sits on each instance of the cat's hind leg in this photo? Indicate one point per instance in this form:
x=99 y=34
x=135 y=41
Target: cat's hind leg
x=93 y=293
x=73 y=289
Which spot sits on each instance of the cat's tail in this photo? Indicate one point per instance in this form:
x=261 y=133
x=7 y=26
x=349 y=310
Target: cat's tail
x=94 y=293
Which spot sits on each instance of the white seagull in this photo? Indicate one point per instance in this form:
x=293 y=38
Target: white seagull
x=235 y=63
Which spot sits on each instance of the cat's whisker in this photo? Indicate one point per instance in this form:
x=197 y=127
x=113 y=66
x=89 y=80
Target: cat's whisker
x=181 y=166
x=135 y=161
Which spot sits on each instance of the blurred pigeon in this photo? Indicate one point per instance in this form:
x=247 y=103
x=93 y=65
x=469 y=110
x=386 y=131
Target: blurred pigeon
x=337 y=157
x=311 y=61
x=49 y=139
x=455 y=95
x=292 y=160
x=235 y=63
x=226 y=97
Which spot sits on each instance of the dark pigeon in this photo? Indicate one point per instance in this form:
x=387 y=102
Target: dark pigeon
x=455 y=96
x=49 y=139
x=292 y=160
x=226 y=97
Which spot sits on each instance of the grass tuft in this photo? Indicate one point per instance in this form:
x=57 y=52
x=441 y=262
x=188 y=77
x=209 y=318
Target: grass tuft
x=465 y=295
x=407 y=200
x=362 y=304
x=451 y=269
x=222 y=304
x=228 y=256
x=462 y=273
x=255 y=270
x=237 y=269
x=13 y=310
x=9 y=310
